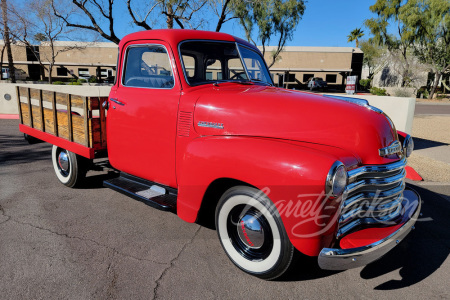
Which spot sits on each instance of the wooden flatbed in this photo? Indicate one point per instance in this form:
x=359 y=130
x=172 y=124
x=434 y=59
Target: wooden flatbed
x=73 y=122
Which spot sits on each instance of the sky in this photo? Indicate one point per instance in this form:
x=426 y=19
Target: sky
x=324 y=23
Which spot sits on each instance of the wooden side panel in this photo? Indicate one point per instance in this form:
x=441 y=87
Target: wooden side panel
x=25 y=114
x=37 y=121
x=95 y=133
x=48 y=117
x=85 y=130
x=77 y=127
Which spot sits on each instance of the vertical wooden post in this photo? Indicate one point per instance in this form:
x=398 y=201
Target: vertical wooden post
x=55 y=115
x=20 y=105
x=41 y=107
x=86 y=121
x=69 y=117
x=29 y=107
x=102 y=121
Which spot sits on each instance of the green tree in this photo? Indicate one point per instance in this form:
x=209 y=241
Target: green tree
x=429 y=22
x=388 y=13
x=272 y=18
x=354 y=35
x=40 y=37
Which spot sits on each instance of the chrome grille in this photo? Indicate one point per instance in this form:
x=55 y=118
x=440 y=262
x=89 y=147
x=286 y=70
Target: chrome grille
x=373 y=196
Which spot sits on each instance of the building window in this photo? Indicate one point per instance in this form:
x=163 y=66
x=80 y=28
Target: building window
x=331 y=78
x=61 y=71
x=83 y=73
x=307 y=77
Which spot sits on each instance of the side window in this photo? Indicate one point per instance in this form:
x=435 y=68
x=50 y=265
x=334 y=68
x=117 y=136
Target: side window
x=213 y=68
x=148 y=67
x=189 y=65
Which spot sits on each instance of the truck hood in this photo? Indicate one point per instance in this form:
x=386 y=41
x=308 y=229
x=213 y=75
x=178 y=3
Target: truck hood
x=259 y=111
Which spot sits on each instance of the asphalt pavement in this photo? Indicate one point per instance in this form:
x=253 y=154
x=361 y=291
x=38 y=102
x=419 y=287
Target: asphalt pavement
x=94 y=243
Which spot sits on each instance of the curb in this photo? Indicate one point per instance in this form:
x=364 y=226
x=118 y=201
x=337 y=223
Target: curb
x=9 y=117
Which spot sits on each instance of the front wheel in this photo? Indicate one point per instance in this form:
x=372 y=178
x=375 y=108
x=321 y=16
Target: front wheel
x=252 y=234
x=69 y=167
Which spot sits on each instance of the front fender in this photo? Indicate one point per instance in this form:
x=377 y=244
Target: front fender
x=292 y=176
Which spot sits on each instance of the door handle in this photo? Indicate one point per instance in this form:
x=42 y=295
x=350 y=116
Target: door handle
x=116 y=101
x=105 y=104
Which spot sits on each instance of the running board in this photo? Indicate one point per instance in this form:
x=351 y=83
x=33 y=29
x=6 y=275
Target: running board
x=151 y=193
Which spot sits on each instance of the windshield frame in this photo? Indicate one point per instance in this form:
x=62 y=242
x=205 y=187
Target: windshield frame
x=244 y=66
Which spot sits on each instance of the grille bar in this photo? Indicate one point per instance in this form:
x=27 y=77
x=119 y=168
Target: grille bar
x=373 y=196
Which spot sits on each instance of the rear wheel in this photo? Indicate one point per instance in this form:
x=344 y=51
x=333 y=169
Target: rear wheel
x=69 y=167
x=252 y=234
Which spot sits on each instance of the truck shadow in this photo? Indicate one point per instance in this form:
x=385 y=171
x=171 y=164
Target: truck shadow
x=423 y=252
x=425 y=144
x=416 y=258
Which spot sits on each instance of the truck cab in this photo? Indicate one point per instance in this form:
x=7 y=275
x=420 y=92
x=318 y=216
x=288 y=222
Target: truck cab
x=196 y=126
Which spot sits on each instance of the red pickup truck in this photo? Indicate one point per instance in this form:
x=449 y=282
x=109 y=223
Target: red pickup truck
x=196 y=126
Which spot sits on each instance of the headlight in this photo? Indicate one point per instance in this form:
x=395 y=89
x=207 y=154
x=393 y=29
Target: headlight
x=336 y=179
x=408 y=146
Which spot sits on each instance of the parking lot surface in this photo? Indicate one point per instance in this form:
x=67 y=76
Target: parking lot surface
x=94 y=243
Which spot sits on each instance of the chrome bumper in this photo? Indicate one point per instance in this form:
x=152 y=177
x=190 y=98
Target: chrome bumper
x=343 y=259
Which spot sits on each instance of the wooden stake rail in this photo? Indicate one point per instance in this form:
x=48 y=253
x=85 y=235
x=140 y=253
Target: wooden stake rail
x=66 y=116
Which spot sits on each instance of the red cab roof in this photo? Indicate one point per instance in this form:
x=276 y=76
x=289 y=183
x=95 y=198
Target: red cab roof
x=175 y=36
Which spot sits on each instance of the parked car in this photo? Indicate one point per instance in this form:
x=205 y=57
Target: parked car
x=317 y=83
x=279 y=172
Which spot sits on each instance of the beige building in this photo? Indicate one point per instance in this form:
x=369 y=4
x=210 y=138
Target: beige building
x=73 y=60
x=294 y=67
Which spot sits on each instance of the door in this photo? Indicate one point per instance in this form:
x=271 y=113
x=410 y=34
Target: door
x=142 y=114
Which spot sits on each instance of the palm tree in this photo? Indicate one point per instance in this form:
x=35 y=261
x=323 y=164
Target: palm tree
x=355 y=35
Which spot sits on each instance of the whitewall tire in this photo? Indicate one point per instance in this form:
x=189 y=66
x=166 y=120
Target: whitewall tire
x=70 y=168
x=252 y=234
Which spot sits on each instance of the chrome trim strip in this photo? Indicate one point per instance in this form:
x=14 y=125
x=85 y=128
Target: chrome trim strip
x=375 y=182
x=357 y=101
x=352 y=174
x=343 y=259
x=348 y=216
x=370 y=195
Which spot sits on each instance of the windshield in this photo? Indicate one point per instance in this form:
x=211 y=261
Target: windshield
x=205 y=61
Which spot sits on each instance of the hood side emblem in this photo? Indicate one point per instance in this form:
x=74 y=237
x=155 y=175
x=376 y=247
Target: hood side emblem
x=393 y=148
x=210 y=124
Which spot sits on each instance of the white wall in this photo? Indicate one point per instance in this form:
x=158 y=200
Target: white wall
x=399 y=109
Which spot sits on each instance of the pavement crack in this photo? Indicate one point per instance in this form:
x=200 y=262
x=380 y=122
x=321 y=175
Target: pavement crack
x=110 y=270
x=117 y=252
x=3 y=213
x=172 y=263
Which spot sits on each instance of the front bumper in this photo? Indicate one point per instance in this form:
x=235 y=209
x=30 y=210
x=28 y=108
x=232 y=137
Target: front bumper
x=342 y=259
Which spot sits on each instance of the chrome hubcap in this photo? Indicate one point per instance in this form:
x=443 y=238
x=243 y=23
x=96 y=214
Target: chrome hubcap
x=63 y=161
x=250 y=232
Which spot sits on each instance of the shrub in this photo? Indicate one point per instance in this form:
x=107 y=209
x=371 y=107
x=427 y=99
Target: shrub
x=401 y=93
x=92 y=79
x=58 y=83
x=378 y=91
x=365 y=83
x=81 y=80
x=75 y=83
